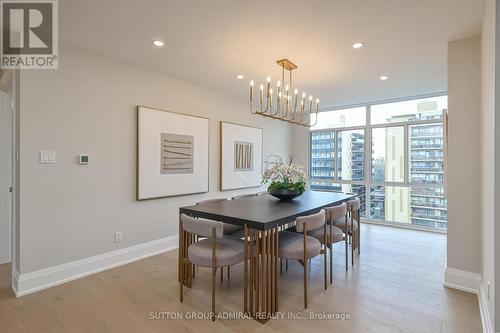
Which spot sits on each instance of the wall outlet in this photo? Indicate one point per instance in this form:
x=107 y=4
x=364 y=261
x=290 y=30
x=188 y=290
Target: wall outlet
x=118 y=236
x=488 y=288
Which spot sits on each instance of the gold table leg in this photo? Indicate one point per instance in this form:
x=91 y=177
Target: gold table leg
x=260 y=281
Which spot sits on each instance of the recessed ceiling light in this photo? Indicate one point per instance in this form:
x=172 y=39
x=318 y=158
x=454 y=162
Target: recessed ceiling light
x=158 y=43
x=384 y=78
x=358 y=45
x=239 y=77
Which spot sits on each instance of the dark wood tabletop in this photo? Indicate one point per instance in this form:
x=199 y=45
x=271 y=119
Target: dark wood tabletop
x=265 y=212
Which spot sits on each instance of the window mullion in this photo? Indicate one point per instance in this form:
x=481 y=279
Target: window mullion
x=406 y=157
x=368 y=161
x=335 y=154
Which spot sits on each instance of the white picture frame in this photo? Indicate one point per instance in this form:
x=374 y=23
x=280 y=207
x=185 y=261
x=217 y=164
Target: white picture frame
x=241 y=156
x=172 y=154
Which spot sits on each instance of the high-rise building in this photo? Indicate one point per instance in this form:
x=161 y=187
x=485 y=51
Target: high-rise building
x=421 y=204
x=350 y=162
x=428 y=205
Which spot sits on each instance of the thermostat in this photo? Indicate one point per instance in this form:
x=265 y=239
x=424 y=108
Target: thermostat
x=83 y=159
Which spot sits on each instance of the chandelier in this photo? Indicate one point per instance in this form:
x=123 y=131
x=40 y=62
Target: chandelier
x=284 y=104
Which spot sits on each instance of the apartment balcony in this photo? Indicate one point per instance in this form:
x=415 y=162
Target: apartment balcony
x=428 y=205
x=427 y=147
x=431 y=217
x=427 y=169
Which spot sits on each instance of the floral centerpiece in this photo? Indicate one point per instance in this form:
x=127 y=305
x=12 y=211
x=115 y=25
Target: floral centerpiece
x=286 y=180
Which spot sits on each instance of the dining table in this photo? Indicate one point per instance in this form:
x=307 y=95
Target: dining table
x=262 y=217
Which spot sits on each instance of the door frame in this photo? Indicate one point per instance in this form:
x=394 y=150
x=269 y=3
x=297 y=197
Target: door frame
x=11 y=78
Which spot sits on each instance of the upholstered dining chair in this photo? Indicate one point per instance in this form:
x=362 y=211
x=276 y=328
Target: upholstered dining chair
x=213 y=251
x=350 y=225
x=229 y=230
x=244 y=196
x=293 y=245
x=334 y=233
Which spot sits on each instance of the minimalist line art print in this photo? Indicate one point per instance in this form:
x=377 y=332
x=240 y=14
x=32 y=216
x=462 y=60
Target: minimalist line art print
x=243 y=156
x=176 y=154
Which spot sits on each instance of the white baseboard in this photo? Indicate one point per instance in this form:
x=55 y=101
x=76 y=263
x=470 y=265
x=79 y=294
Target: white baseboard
x=48 y=277
x=14 y=281
x=484 y=310
x=471 y=283
x=462 y=280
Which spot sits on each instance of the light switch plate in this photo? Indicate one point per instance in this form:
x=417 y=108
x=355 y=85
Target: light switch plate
x=47 y=157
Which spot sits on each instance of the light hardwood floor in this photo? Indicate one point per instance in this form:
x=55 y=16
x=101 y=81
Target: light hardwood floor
x=395 y=286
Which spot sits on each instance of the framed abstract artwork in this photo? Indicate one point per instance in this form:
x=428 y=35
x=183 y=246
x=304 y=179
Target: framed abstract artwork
x=172 y=154
x=241 y=156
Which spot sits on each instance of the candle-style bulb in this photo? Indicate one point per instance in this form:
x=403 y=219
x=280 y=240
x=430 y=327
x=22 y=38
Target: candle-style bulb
x=287 y=87
x=317 y=100
x=268 y=79
x=278 y=84
x=261 y=87
x=304 y=94
x=279 y=94
x=251 y=83
x=310 y=97
x=296 y=91
x=271 y=90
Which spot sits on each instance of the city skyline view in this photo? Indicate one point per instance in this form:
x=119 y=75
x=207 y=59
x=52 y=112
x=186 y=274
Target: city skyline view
x=406 y=181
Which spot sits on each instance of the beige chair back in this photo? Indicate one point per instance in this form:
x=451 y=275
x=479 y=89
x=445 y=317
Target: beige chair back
x=202 y=227
x=312 y=222
x=336 y=212
x=353 y=205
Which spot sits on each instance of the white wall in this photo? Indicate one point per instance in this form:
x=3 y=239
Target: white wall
x=70 y=212
x=464 y=163
x=488 y=157
x=301 y=144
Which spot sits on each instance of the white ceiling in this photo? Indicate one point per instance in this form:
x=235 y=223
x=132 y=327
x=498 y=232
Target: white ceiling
x=208 y=42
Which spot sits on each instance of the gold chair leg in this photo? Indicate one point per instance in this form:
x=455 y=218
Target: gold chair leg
x=305 y=266
x=214 y=270
x=245 y=269
x=331 y=255
x=359 y=232
x=346 y=245
x=305 y=286
x=324 y=255
x=353 y=245
x=221 y=274
x=181 y=263
x=228 y=272
x=352 y=250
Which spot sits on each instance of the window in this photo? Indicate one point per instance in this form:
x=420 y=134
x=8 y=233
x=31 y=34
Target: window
x=341 y=118
x=351 y=154
x=388 y=154
x=408 y=111
x=322 y=155
x=391 y=155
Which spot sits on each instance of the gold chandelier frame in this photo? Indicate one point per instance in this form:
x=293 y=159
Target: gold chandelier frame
x=285 y=106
